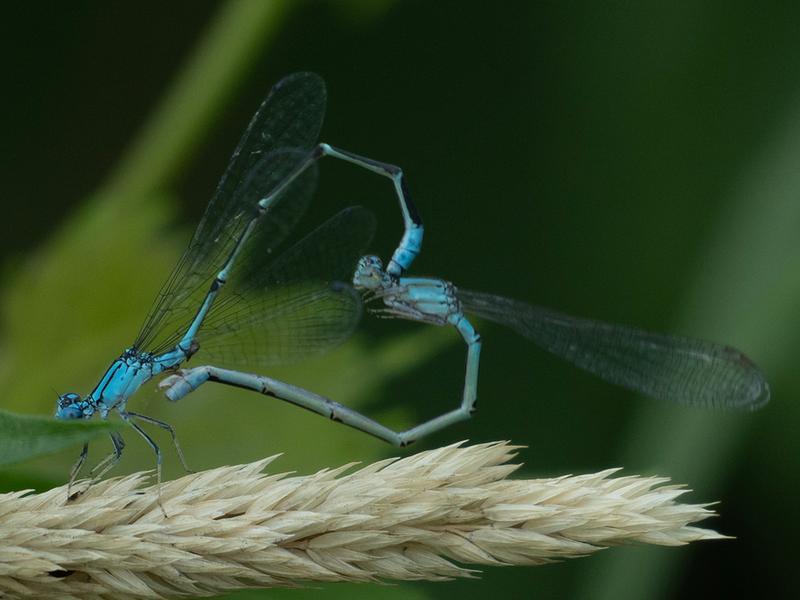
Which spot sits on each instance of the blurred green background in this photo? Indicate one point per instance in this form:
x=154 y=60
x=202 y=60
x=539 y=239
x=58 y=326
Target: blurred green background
x=637 y=163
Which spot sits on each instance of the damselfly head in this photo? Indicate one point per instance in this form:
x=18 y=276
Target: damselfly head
x=369 y=274
x=71 y=406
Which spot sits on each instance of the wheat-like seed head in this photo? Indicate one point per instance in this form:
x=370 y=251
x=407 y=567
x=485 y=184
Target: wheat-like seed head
x=424 y=517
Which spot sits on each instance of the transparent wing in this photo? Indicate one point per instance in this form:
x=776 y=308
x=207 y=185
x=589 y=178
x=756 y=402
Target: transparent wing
x=277 y=139
x=297 y=305
x=189 y=283
x=679 y=369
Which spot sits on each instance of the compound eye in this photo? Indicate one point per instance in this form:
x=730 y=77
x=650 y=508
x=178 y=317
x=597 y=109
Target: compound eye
x=69 y=406
x=68 y=399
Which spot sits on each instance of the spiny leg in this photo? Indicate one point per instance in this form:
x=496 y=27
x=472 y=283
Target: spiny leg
x=110 y=461
x=73 y=473
x=171 y=430
x=126 y=417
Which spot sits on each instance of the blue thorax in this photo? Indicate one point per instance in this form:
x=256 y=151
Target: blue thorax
x=120 y=381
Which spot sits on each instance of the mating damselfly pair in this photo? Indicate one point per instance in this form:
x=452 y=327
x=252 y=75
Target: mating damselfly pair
x=235 y=298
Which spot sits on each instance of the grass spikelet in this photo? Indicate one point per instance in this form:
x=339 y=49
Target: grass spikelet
x=430 y=516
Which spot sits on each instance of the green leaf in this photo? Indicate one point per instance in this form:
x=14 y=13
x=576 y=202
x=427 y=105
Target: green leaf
x=26 y=436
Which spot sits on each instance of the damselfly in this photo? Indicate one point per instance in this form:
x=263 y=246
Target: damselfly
x=233 y=297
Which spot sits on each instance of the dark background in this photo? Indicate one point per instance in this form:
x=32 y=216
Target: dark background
x=630 y=162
